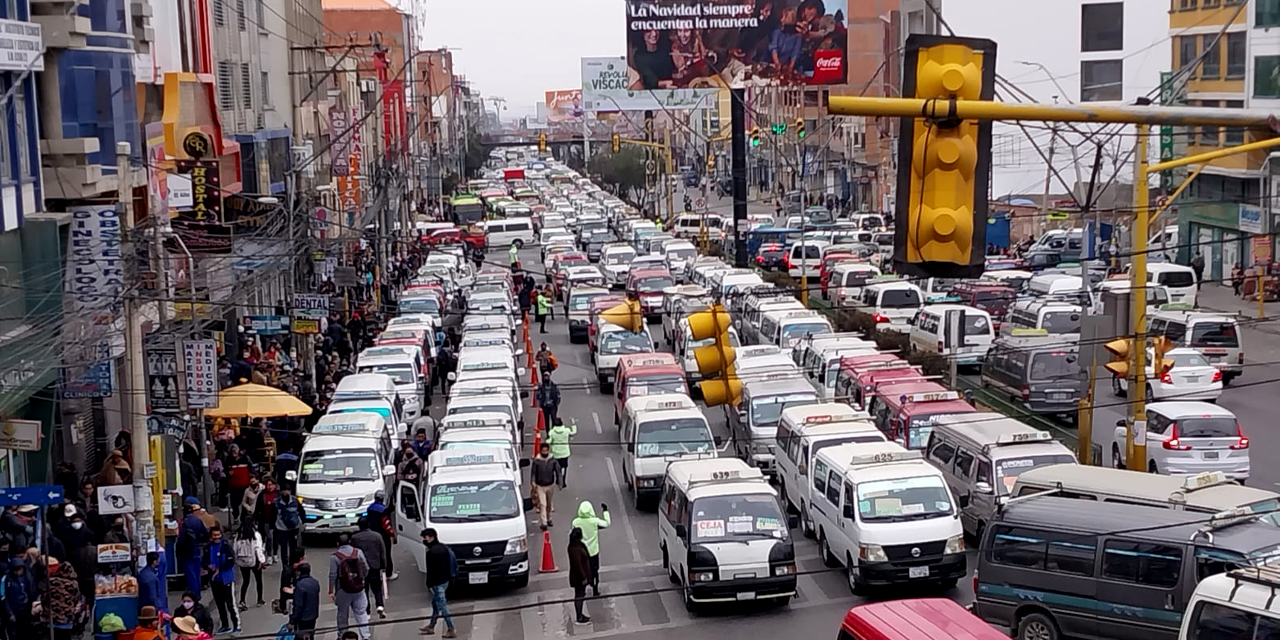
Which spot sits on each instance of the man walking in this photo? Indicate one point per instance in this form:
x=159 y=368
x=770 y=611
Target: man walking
x=544 y=474
x=548 y=399
x=380 y=522
x=543 y=308
x=370 y=543
x=288 y=525
x=513 y=254
x=220 y=561
x=348 y=576
x=442 y=566
x=1197 y=266
x=546 y=360
x=591 y=525
x=306 y=603
x=190 y=546
x=558 y=438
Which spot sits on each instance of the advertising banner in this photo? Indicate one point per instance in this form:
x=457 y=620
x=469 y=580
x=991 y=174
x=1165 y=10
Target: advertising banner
x=676 y=44
x=1250 y=219
x=20 y=435
x=564 y=105
x=200 y=364
x=606 y=86
x=306 y=326
x=21 y=46
x=95 y=270
x=266 y=325
x=310 y=305
x=206 y=196
x=340 y=134
x=162 y=380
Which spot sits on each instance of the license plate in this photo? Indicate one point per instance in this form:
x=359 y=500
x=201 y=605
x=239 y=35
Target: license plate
x=1210 y=455
x=479 y=577
x=917 y=572
x=746 y=595
x=1191 y=379
x=1059 y=396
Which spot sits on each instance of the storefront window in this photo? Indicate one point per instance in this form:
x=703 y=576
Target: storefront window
x=5 y=471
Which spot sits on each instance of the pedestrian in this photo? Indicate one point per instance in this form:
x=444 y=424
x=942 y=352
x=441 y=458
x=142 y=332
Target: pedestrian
x=18 y=594
x=251 y=555
x=558 y=437
x=348 y=575
x=220 y=562
x=288 y=577
x=192 y=608
x=152 y=589
x=380 y=521
x=190 y=548
x=421 y=439
x=544 y=307
x=148 y=624
x=551 y=295
x=265 y=517
x=187 y=628
x=546 y=360
x=545 y=475
x=579 y=573
x=526 y=296
x=513 y=254
x=1197 y=265
x=446 y=362
x=408 y=464
x=64 y=605
x=306 y=603
x=370 y=543
x=238 y=468
x=548 y=396
x=442 y=567
x=288 y=525
x=1237 y=279
x=591 y=525
x=249 y=500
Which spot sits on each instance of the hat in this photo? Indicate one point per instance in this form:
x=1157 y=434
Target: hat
x=190 y=500
x=148 y=613
x=69 y=510
x=186 y=624
x=27 y=508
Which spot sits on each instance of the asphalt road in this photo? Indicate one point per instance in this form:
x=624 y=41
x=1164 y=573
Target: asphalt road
x=636 y=600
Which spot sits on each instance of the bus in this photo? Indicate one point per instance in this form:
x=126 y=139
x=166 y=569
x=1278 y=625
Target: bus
x=465 y=209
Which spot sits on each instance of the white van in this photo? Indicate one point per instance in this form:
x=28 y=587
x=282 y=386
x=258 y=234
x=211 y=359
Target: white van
x=1240 y=603
x=804 y=259
x=615 y=342
x=510 y=231
x=338 y=476
x=847 y=280
x=473 y=501
x=891 y=303
x=796 y=326
x=478 y=393
x=805 y=430
x=931 y=333
x=1216 y=336
x=460 y=424
x=752 y=321
x=723 y=536
x=455 y=438
x=680 y=255
x=405 y=372
x=885 y=515
x=1180 y=280
x=658 y=430
x=1055 y=284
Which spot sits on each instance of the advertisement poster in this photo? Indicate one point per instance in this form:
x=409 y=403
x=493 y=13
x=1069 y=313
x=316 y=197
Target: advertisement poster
x=606 y=88
x=206 y=196
x=676 y=44
x=95 y=270
x=564 y=105
x=200 y=364
x=162 y=379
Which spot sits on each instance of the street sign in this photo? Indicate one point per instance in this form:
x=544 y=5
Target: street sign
x=310 y=305
x=699 y=203
x=39 y=494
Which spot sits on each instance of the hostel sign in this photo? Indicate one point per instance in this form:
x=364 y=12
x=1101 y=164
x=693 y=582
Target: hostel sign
x=349 y=181
x=206 y=194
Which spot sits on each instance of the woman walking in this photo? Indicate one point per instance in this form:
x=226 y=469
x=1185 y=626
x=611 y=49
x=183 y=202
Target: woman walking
x=579 y=573
x=250 y=557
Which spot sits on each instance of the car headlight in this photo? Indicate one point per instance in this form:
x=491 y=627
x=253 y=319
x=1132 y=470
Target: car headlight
x=516 y=545
x=703 y=576
x=955 y=544
x=784 y=569
x=872 y=553
x=307 y=503
x=648 y=482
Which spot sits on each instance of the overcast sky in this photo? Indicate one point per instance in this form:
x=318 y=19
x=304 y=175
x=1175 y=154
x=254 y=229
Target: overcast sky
x=519 y=49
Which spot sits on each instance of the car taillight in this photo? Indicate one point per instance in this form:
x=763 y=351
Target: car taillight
x=1217 y=376
x=880 y=318
x=787 y=261
x=1026 y=393
x=1167 y=378
x=1241 y=441
x=759 y=259
x=1173 y=444
x=1240 y=358
x=941 y=346
x=975 y=579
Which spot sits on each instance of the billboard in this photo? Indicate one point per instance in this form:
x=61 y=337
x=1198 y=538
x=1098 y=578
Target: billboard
x=677 y=44
x=564 y=105
x=605 y=88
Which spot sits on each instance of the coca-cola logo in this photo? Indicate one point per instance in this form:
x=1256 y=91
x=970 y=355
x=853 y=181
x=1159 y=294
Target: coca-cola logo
x=828 y=64
x=828 y=67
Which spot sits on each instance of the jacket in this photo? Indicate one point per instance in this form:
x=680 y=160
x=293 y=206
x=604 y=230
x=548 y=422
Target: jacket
x=18 y=591
x=440 y=564
x=250 y=502
x=293 y=506
x=558 y=438
x=544 y=304
x=221 y=560
x=64 y=603
x=514 y=254
x=151 y=589
x=306 y=600
x=591 y=525
x=548 y=395
x=345 y=550
x=192 y=538
x=200 y=613
x=544 y=472
x=369 y=542
x=579 y=565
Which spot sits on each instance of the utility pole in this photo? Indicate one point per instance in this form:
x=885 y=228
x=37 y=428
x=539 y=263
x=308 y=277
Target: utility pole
x=738 y=120
x=1136 y=454
x=1042 y=221
x=135 y=391
x=671 y=187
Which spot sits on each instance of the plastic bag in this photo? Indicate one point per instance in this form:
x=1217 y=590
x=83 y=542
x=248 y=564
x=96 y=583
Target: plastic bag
x=111 y=623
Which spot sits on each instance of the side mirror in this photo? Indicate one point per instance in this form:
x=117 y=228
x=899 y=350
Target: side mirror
x=719 y=440
x=681 y=531
x=1122 y=424
x=521 y=371
x=742 y=416
x=452 y=376
x=847 y=511
x=524 y=462
x=656 y=347
x=519 y=352
x=524 y=394
x=389 y=470
x=291 y=475
x=793 y=520
x=964 y=501
x=527 y=504
x=631 y=447
x=982 y=487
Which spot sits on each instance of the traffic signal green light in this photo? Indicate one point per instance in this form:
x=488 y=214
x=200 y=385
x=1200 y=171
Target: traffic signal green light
x=779 y=129
x=800 y=127
x=755 y=136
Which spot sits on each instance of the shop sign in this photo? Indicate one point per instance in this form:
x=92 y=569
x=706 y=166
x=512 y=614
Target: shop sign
x=95 y=270
x=206 y=194
x=266 y=325
x=21 y=46
x=307 y=326
x=162 y=379
x=1250 y=219
x=1262 y=249
x=310 y=305
x=113 y=553
x=20 y=435
x=200 y=363
x=339 y=133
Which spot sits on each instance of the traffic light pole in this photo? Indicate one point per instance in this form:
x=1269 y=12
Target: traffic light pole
x=738 y=125
x=1136 y=435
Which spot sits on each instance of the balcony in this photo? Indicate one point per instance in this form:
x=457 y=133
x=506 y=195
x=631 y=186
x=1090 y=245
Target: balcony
x=65 y=22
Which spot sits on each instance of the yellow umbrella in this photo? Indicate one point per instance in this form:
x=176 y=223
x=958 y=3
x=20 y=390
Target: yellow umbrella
x=256 y=401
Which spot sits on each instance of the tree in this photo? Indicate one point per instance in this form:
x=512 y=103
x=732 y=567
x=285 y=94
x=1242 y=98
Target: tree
x=624 y=172
x=475 y=154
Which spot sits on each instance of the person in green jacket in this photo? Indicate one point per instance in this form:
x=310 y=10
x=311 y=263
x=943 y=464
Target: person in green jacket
x=544 y=307
x=513 y=254
x=558 y=437
x=591 y=525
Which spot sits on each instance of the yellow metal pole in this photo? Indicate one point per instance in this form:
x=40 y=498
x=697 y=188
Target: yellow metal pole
x=1186 y=182
x=1262 y=291
x=1084 y=421
x=942 y=109
x=1214 y=155
x=671 y=188
x=1136 y=438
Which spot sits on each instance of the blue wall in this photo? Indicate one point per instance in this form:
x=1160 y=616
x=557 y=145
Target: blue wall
x=30 y=146
x=97 y=87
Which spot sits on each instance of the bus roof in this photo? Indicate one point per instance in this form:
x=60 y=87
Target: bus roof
x=918 y=619
x=464 y=198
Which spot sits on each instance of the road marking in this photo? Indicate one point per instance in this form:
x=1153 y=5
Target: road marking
x=595 y=417
x=626 y=520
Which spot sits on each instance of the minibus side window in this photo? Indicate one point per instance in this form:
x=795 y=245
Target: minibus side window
x=1156 y=565
x=820 y=476
x=964 y=463
x=833 y=487
x=942 y=452
x=848 y=494
x=1176 y=332
x=1212 y=621
x=1211 y=562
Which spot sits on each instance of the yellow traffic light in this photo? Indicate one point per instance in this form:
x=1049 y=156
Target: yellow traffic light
x=617 y=143
x=944 y=164
x=755 y=136
x=800 y=127
x=1120 y=350
x=711 y=162
x=627 y=315
x=715 y=361
x=1160 y=365
x=542 y=142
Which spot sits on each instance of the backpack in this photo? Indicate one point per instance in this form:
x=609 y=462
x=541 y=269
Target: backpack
x=245 y=555
x=349 y=577
x=289 y=515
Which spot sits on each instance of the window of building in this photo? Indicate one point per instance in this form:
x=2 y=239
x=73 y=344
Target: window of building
x=262 y=14
x=1236 y=61
x=21 y=142
x=242 y=21
x=1102 y=26
x=266 y=90
x=226 y=93
x=1266 y=77
x=246 y=85
x=1101 y=80
x=1209 y=4
x=1266 y=13
x=1187 y=5
x=1211 y=66
x=1187 y=52
x=1209 y=133
x=6 y=145
x=1235 y=135
x=220 y=12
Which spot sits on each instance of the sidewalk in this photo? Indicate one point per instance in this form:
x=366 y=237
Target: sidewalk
x=1220 y=298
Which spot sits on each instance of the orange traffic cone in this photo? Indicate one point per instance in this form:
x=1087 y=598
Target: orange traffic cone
x=537 y=442
x=542 y=422
x=548 y=557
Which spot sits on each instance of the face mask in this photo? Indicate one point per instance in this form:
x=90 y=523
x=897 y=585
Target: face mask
x=187 y=604
x=119 y=526
x=77 y=525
